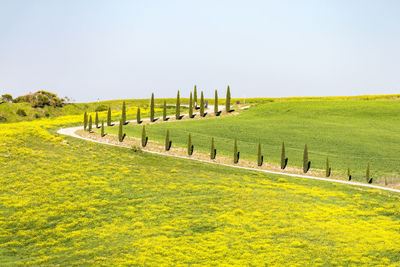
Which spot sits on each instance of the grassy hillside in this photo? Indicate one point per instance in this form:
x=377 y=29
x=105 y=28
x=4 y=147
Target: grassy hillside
x=350 y=133
x=67 y=202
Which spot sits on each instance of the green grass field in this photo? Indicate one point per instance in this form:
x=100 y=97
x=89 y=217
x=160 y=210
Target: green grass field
x=350 y=132
x=70 y=202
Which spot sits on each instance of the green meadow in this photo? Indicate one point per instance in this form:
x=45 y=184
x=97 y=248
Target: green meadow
x=349 y=131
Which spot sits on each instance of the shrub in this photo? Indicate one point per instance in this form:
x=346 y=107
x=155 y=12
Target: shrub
x=101 y=108
x=202 y=105
x=260 y=157
x=3 y=118
x=190 y=106
x=195 y=97
x=46 y=114
x=168 y=142
x=37 y=116
x=236 y=153
x=144 y=137
x=85 y=121
x=123 y=116
x=237 y=102
x=102 y=129
x=165 y=111
x=109 y=117
x=190 y=145
x=152 y=108
x=216 y=103
x=7 y=98
x=213 y=151
x=90 y=124
x=328 y=168
x=178 y=107
x=138 y=120
x=284 y=159
x=228 y=100
x=96 y=120
x=21 y=112
x=136 y=149
x=306 y=163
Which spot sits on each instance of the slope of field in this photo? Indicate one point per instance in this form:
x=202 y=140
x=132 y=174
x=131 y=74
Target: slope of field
x=350 y=133
x=66 y=201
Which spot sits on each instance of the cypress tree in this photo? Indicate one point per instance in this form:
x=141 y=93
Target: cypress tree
x=328 y=168
x=164 y=118
x=109 y=116
x=306 y=163
x=152 y=108
x=190 y=145
x=85 y=121
x=123 y=117
x=96 y=120
x=178 y=107
x=235 y=152
x=284 y=159
x=144 y=137
x=190 y=106
x=260 y=157
x=90 y=123
x=213 y=151
x=102 y=129
x=348 y=173
x=138 y=120
x=216 y=103
x=195 y=97
x=167 y=142
x=202 y=104
x=228 y=100
x=367 y=177
x=120 y=133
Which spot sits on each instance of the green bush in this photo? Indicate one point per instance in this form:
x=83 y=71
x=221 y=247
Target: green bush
x=46 y=114
x=21 y=112
x=37 y=115
x=190 y=145
x=144 y=137
x=3 y=118
x=101 y=108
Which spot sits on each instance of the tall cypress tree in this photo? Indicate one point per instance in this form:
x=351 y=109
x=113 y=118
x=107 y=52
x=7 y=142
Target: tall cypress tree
x=228 y=100
x=195 y=97
x=235 y=152
x=109 y=116
x=306 y=163
x=102 y=129
x=167 y=142
x=85 y=120
x=178 y=107
x=144 y=137
x=152 y=108
x=202 y=105
x=90 y=123
x=164 y=118
x=120 y=133
x=260 y=157
x=216 y=103
x=367 y=177
x=190 y=145
x=190 y=106
x=348 y=173
x=96 y=120
x=138 y=120
x=213 y=151
x=284 y=159
x=123 y=117
x=328 y=168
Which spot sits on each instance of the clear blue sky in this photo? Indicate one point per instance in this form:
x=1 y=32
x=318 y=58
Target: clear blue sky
x=128 y=49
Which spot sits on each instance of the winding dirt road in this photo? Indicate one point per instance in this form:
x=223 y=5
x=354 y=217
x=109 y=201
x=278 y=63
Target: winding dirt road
x=71 y=131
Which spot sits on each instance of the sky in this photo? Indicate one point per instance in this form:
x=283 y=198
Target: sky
x=93 y=50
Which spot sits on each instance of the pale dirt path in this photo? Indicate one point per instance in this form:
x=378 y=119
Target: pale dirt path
x=71 y=131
